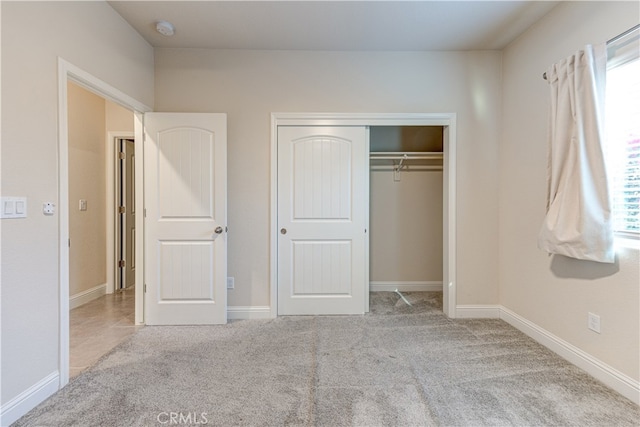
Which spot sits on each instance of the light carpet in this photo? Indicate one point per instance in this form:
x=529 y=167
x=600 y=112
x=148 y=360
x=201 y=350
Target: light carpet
x=399 y=365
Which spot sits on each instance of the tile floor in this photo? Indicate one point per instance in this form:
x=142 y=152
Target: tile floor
x=98 y=326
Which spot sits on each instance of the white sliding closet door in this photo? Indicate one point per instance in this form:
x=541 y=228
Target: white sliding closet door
x=323 y=188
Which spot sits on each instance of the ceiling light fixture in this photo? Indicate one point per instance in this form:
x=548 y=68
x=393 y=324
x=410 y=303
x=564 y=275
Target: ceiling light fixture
x=165 y=28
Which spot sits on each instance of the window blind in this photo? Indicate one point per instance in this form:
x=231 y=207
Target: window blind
x=623 y=133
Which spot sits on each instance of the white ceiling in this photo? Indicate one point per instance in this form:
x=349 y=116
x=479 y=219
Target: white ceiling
x=334 y=25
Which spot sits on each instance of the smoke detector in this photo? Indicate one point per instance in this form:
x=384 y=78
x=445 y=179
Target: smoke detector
x=165 y=28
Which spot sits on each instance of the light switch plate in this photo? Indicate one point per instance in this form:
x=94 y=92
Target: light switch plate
x=593 y=322
x=13 y=207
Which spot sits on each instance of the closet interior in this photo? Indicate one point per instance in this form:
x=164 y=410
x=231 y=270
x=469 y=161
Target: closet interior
x=406 y=208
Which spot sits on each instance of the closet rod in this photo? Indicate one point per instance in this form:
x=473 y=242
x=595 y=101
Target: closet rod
x=417 y=167
x=406 y=156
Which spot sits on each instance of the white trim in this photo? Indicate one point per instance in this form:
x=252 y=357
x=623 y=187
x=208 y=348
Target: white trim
x=69 y=72
x=423 y=286
x=478 y=311
x=623 y=384
x=450 y=223
x=138 y=149
x=99 y=87
x=84 y=297
x=273 y=237
x=375 y=119
x=367 y=219
x=111 y=150
x=29 y=399
x=63 y=220
x=248 y=312
x=624 y=242
x=362 y=119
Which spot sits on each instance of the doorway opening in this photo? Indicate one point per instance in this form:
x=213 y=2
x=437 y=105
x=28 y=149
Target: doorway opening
x=125 y=214
x=406 y=195
x=99 y=317
x=68 y=73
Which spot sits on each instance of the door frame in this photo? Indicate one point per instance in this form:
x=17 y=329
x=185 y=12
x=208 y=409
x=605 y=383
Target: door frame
x=448 y=120
x=112 y=215
x=69 y=72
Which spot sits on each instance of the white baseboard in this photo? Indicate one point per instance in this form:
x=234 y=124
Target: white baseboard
x=478 y=311
x=424 y=286
x=84 y=297
x=11 y=411
x=248 y=312
x=623 y=384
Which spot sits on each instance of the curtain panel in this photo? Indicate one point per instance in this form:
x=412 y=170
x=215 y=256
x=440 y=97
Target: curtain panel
x=578 y=221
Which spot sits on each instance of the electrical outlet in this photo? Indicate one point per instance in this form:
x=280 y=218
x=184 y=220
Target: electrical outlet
x=231 y=282
x=48 y=208
x=594 y=322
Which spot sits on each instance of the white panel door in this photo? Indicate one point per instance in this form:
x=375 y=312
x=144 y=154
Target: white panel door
x=323 y=189
x=185 y=224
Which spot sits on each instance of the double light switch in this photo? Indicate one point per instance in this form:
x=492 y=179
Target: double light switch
x=13 y=207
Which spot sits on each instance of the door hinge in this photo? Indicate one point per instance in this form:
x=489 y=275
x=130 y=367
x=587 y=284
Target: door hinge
x=144 y=212
x=69 y=242
x=122 y=209
x=144 y=288
x=122 y=263
x=121 y=155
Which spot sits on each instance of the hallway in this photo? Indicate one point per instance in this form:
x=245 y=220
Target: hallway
x=98 y=326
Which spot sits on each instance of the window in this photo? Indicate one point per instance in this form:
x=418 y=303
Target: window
x=622 y=115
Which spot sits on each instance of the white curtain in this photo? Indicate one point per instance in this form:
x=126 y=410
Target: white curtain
x=578 y=219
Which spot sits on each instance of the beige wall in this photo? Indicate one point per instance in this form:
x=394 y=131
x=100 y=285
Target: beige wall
x=406 y=226
x=556 y=293
x=118 y=119
x=87 y=161
x=249 y=85
x=89 y=35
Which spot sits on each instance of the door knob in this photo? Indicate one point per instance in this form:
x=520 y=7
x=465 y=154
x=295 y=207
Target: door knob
x=283 y=230
x=218 y=230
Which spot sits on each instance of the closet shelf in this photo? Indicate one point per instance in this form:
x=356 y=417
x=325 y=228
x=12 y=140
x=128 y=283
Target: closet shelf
x=428 y=160
x=405 y=155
